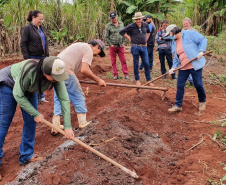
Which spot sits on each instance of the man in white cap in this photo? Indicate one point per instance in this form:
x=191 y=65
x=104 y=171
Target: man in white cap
x=138 y=33
x=78 y=57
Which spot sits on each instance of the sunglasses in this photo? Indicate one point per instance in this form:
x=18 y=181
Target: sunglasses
x=140 y=30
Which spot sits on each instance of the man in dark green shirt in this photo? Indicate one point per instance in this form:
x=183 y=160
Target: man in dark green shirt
x=115 y=43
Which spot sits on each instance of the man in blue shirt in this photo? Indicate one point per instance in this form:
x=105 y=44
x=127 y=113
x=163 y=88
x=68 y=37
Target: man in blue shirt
x=150 y=42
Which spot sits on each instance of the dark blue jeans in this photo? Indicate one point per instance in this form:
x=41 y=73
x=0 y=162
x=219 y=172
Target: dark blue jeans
x=143 y=53
x=150 y=57
x=7 y=110
x=197 y=79
x=168 y=54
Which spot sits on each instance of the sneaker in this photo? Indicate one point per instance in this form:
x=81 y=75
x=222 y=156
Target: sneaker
x=138 y=83
x=127 y=77
x=202 y=106
x=115 y=77
x=175 y=109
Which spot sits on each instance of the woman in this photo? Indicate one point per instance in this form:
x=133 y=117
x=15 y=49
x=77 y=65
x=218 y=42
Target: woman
x=164 y=48
x=34 y=43
x=20 y=83
x=186 y=46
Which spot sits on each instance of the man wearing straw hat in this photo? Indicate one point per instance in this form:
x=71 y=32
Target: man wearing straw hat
x=138 y=33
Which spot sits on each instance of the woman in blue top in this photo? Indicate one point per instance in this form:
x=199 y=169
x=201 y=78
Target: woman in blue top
x=34 y=43
x=186 y=46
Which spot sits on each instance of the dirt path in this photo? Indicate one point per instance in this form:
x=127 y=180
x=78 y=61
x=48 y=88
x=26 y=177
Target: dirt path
x=147 y=138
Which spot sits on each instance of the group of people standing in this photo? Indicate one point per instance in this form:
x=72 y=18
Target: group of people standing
x=24 y=82
x=185 y=44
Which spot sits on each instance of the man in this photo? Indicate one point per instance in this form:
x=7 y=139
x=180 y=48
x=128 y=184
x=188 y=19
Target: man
x=164 y=48
x=187 y=26
x=150 y=42
x=138 y=33
x=78 y=57
x=115 y=43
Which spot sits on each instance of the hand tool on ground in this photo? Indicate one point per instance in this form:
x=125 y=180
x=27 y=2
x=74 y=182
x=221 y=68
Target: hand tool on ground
x=133 y=174
x=175 y=69
x=126 y=85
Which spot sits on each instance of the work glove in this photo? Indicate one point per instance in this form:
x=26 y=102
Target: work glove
x=200 y=55
x=171 y=71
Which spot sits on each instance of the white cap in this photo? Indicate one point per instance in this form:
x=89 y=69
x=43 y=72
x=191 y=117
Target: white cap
x=169 y=28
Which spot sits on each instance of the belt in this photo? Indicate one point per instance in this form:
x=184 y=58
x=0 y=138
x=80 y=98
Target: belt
x=142 y=45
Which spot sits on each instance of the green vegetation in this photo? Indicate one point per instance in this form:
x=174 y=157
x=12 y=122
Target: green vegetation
x=84 y=20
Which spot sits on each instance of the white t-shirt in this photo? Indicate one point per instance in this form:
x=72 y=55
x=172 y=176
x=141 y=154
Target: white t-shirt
x=74 y=55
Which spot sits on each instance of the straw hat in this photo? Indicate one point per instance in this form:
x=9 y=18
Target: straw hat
x=138 y=15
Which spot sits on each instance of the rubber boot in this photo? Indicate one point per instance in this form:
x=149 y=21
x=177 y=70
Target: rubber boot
x=56 y=122
x=82 y=120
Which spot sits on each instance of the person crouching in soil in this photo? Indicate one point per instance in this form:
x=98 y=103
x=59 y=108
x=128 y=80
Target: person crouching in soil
x=186 y=46
x=19 y=83
x=78 y=57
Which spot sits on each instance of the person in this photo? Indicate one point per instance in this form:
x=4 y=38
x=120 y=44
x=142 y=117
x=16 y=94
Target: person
x=78 y=57
x=138 y=33
x=34 y=43
x=186 y=46
x=19 y=84
x=187 y=26
x=164 y=48
x=150 y=42
x=115 y=43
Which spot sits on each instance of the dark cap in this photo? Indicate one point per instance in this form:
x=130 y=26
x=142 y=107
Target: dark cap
x=148 y=16
x=113 y=15
x=102 y=46
x=55 y=67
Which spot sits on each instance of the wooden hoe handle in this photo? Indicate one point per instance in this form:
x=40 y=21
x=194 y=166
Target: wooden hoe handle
x=176 y=69
x=126 y=85
x=133 y=174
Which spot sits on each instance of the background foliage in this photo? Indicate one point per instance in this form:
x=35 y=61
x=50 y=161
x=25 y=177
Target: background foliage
x=68 y=21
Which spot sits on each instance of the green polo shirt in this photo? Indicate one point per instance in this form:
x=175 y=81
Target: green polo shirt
x=112 y=36
x=30 y=84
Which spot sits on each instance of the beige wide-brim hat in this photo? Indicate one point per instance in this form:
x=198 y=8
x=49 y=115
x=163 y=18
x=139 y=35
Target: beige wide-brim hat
x=138 y=15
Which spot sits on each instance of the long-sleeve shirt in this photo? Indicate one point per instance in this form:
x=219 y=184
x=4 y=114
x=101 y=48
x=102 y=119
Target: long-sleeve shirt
x=138 y=35
x=30 y=84
x=193 y=43
x=112 y=36
x=164 y=42
x=31 y=43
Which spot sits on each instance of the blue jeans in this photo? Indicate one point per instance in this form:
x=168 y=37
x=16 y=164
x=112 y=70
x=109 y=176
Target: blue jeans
x=75 y=94
x=150 y=57
x=197 y=79
x=143 y=53
x=7 y=110
x=168 y=54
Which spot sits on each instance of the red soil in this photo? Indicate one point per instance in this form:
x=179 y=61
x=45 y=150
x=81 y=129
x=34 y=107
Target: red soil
x=148 y=139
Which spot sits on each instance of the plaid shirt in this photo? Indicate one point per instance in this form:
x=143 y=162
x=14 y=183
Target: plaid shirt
x=112 y=36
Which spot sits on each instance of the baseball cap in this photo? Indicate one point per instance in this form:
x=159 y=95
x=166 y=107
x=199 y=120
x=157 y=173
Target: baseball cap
x=113 y=14
x=55 y=67
x=169 y=28
x=148 y=16
x=101 y=46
